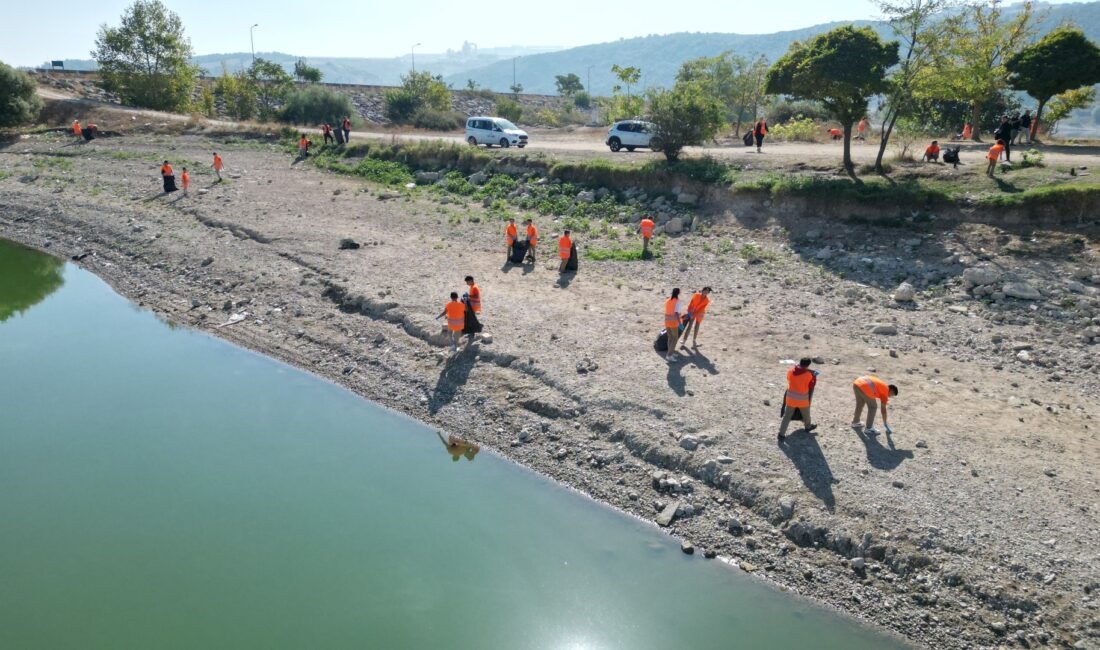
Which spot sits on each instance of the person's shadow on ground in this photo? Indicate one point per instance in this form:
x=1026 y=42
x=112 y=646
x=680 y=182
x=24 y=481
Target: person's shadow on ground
x=884 y=458
x=802 y=448
x=507 y=267
x=565 y=279
x=453 y=376
x=675 y=380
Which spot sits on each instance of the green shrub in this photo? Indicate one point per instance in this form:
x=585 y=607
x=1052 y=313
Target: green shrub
x=785 y=110
x=582 y=100
x=401 y=104
x=509 y=109
x=1032 y=158
x=418 y=90
x=19 y=102
x=387 y=172
x=314 y=105
x=548 y=117
x=799 y=129
x=436 y=120
x=627 y=253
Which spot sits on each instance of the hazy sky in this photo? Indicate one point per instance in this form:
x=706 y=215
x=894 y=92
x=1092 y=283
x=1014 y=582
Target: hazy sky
x=66 y=28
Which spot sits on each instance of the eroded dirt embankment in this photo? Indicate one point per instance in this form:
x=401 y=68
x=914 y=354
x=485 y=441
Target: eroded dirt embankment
x=974 y=525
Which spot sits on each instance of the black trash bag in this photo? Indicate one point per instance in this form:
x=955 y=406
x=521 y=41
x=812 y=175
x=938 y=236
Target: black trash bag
x=571 y=265
x=661 y=344
x=519 y=251
x=470 y=325
x=170 y=183
x=748 y=138
x=339 y=133
x=951 y=156
x=89 y=132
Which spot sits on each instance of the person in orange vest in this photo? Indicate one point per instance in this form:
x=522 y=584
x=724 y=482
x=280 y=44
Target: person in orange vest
x=303 y=145
x=967 y=131
x=510 y=236
x=532 y=240
x=218 y=166
x=835 y=133
x=185 y=179
x=169 y=177
x=455 y=312
x=759 y=130
x=346 y=124
x=326 y=129
x=994 y=155
x=646 y=228
x=867 y=389
x=672 y=322
x=861 y=129
x=76 y=128
x=475 y=294
x=697 y=307
x=800 y=383
x=932 y=153
x=565 y=248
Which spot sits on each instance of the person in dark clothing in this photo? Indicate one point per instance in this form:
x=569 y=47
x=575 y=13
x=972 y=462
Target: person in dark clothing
x=1002 y=135
x=1025 y=126
x=346 y=128
x=1014 y=125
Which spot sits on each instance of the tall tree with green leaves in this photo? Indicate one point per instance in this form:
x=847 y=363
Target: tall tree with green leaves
x=736 y=81
x=19 y=102
x=305 y=72
x=1062 y=61
x=686 y=115
x=146 y=59
x=842 y=69
x=271 y=84
x=910 y=21
x=568 y=84
x=628 y=75
x=972 y=46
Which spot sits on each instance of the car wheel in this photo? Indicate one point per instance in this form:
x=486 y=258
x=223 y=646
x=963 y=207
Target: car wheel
x=472 y=140
x=504 y=143
x=629 y=148
x=615 y=144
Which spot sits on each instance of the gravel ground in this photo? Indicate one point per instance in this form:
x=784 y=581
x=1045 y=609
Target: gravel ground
x=974 y=525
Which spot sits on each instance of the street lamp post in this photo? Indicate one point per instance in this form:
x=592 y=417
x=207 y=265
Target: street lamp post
x=252 y=41
x=514 y=71
x=413 y=51
x=589 y=90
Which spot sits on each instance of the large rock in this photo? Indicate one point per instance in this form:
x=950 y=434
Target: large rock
x=674 y=226
x=691 y=443
x=687 y=199
x=786 y=507
x=905 y=293
x=668 y=514
x=980 y=276
x=884 y=329
x=424 y=178
x=1022 y=290
x=586 y=197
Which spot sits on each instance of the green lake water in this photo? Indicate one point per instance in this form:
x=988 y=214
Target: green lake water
x=162 y=489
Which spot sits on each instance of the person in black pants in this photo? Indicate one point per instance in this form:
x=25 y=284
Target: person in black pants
x=1003 y=133
x=759 y=131
x=1025 y=126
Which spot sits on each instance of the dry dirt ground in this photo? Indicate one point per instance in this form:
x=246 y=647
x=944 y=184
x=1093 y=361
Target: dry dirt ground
x=974 y=526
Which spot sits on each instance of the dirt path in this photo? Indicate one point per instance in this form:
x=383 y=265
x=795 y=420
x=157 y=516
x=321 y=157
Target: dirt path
x=974 y=525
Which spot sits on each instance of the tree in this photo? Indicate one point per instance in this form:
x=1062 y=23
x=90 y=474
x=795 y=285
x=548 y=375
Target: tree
x=629 y=75
x=305 y=72
x=568 y=84
x=19 y=102
x=238 y=93
x=686 y=115
x=1062 y=61
x=1062 y=104
x=736 y=81
x=910 y=20
x=314 y=105
x=841 y=69
x=271 y=83
x=471 y=85
x=146 y=59
x=418 y=90
x=516 y=88
x=972 y=46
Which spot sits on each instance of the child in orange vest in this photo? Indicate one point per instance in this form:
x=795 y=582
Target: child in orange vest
x=932 y=153
x=186 y=179
x=994 y=155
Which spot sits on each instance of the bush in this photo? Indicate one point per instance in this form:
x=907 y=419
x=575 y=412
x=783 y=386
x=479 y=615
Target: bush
x=785 y=110
x=19 y=102
x=584 y=100
x=418 y=90
x=435 y=120
x=314 y=105
x=509 y=109
x=401 y=104
x=799 y=129
x=686 y=115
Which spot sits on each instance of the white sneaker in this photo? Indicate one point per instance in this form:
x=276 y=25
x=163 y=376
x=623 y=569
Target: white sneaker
x=871 y=431
x=856 y=426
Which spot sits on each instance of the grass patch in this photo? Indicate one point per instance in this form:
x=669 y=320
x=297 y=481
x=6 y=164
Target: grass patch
x=910 y=192
x=755 y=254
x=627 y=253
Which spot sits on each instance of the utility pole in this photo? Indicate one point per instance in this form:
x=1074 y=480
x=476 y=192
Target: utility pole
x=514 y=71
x=413 y=50
x=589 y=90
x=252 y=41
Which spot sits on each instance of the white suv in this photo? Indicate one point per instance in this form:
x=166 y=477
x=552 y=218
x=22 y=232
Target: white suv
x=494 y=130
x=631 y=134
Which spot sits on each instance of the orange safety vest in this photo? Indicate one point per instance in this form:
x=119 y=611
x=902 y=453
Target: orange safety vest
x=873 y=387
x=303 y=143
x=798 y=388
x=347 y=125
x=565 y=245
x=761 y=128
x=510 y=234
x=475 y=298
x=931 y=150
x=698 y=306
x=456 y=316
x=532 y=235
x=186 y=180
x=217 y=162
x=995 y=152
x=166 y=170
x=76 y=128
x=672 y=319
x=862 y=126
x=647 y=227
x=967 y=131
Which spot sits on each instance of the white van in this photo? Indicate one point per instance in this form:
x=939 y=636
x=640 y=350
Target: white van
x=494 y=130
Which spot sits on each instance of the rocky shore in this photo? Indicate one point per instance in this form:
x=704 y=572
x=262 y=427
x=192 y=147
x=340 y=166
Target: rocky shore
x=974 y=526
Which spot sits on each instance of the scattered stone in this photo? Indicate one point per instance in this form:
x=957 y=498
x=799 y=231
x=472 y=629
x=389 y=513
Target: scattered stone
x=674 y=226
x=898 y=484
x=348 y=244
x=884 y=329
x=980 y=276
x=587 y=365
x=668 y=514
x=905 y=293
x=687 y=547
x=922 y=444
x=710 y=553
x=687 y=199
x=1051 y=472
x=749 y=567
x=786 y=507
x=691 y=443
x=1022 y=291
x=858 y=564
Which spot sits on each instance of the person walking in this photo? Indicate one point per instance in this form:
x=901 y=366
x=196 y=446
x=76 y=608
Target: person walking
x=303 y=146
x=672 y=322
x=455 y=312
x=867 y=389
x=1025 y=126
x=697 y=307
x=326 y=129
x=861 y=129
x=759 y=131
x=532 y=240
x=185 y=180
x=76 y=128
x=646 y=228
x=1003 y=134
x=169 y=177
x=511 y=233
x=800 y=384
x=565 y=249
x=218 y=166
x=993 y=156
x=346 y=125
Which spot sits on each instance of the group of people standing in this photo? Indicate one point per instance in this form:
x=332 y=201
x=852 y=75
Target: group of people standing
x=869 y=392
x=168 y=175
x=343 y=134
